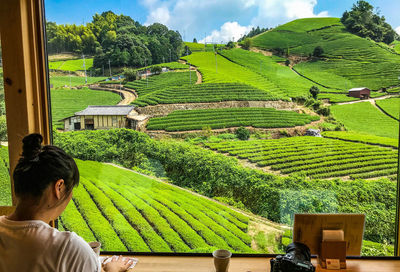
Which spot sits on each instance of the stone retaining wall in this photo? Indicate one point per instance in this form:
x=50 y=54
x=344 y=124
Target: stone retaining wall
x=165 y=109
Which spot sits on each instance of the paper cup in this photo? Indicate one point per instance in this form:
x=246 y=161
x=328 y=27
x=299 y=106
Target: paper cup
x=221 y=260
x=96 y=247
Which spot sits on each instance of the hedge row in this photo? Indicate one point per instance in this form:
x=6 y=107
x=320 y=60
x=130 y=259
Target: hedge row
x=96 y=221
x=128 y=235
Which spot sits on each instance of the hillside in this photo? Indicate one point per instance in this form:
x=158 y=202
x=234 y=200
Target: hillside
x=348 y=61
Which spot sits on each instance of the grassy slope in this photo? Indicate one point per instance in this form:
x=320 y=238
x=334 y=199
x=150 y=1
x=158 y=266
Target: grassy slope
x=293 y=84
x=161 y=211
x=391 y=106
x=71 y=65
x=351 y=61
x=199 y=47
x=66 y=102
x=61 y=81
x=5 y=185
x=217 y=69
x=365 y=118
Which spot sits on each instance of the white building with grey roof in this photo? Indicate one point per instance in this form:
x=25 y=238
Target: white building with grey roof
x=105 y=117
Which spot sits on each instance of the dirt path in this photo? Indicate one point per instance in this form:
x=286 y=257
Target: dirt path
x=128 y=95
x=371 y=100
x=199 y=77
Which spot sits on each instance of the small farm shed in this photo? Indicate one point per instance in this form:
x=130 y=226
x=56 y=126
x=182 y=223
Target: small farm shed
x=362 y=92
x=104 y=117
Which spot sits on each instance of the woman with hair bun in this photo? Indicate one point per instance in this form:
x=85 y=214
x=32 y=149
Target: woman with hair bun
x=43 y=181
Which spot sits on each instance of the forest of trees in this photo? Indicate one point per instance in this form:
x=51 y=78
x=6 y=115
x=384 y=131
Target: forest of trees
x=253 y=32
x=117 y=38
x=364 y=22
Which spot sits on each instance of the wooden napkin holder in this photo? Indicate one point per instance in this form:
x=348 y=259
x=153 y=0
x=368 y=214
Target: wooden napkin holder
x=332 y=253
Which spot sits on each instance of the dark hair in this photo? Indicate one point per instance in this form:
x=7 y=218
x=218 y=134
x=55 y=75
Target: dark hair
x=41 y=166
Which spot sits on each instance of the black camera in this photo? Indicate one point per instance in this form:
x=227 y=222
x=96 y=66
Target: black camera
x=297 y=258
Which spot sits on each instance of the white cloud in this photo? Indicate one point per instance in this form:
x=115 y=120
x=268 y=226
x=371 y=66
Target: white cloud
x=398 y=30
x=199 y=18
x=227 y=32
x=159 y=15
x=274 y=12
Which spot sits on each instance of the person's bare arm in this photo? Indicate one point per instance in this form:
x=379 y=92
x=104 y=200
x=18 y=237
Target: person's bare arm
x=117 y=264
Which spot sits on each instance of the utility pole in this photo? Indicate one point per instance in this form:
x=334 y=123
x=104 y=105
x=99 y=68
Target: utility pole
x=147 y=78
x=170 y=59
x=109 y=67
x=84 y=65
x=216 y=63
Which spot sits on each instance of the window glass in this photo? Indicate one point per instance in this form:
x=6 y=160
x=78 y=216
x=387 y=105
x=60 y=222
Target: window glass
x=232 y=119
x=5 y=185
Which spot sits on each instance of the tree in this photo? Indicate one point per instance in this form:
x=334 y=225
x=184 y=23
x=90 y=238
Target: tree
x=130 y=74
x=156 y=70
x=230 y=45
x=247 y=43
x=194 y=40
x=242 y=133
x=318 y=51
x=364 y=22
x=314 y=91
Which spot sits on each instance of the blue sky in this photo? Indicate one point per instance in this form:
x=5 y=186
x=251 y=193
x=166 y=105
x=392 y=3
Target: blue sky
x=212 y=20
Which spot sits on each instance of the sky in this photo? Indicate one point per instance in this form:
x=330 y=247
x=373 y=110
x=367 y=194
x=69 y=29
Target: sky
x=212 y=20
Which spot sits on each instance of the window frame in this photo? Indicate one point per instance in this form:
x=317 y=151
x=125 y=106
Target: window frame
x=27 y=93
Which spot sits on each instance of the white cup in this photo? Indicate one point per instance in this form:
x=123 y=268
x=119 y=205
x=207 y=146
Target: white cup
x=221 y=260
x=96 y=247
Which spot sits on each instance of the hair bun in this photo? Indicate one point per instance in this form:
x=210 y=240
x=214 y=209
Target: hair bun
x=32 y=146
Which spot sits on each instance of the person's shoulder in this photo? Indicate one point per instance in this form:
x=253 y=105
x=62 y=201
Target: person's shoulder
x=80 y=253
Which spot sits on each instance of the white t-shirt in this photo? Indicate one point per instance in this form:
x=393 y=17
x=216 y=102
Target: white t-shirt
x=34 y=246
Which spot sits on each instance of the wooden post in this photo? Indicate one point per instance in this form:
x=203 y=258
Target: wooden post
x=25 y=73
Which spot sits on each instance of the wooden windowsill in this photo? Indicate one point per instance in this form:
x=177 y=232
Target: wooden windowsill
x=246 y=264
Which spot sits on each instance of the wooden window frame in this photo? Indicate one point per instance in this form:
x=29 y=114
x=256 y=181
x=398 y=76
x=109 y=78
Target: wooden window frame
x=26 y=82
x=25 y=74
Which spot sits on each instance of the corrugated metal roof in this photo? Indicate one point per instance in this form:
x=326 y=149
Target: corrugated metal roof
x=106 y=110
x=357 y=89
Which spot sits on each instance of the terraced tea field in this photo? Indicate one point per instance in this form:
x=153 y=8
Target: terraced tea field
x=362 y=138
x=271 y=68
x=201 y=93
x=127 y=211
x=65 y=102
x=350 y=61
x=170 y=65
x=182 y=120
x=71 y=65
x=391 y=106
x=162 y=81
x=365 y=118
x=315 y=157
x=217 y=69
